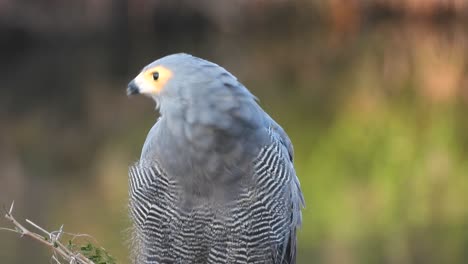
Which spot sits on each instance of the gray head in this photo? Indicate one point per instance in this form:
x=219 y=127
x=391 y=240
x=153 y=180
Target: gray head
x=181 y=80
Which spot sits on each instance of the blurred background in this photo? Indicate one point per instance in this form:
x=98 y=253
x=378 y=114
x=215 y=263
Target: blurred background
x=374 y=95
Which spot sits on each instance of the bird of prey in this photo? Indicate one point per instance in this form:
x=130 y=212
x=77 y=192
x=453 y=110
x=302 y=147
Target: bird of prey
x=215 y=182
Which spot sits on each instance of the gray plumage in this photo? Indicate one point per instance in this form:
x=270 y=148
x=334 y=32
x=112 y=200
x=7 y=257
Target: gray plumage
x=215 y=182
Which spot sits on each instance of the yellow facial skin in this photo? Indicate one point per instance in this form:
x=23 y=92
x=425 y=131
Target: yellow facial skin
x=147 y=84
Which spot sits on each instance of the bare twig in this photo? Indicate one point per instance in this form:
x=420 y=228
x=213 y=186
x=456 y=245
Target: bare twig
x=56 y=260
x=37 y=227
x=11 y=207
x=9 y=229
x=51 y=239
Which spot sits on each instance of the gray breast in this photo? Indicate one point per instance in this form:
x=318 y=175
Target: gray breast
x=254 y=228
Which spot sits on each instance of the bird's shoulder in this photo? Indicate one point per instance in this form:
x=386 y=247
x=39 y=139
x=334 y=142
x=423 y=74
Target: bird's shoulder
x=278 y=135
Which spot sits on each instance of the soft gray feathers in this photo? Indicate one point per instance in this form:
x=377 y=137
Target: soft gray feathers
x=215 y=183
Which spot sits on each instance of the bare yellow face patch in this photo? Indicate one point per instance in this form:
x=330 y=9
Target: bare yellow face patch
x=153 y=80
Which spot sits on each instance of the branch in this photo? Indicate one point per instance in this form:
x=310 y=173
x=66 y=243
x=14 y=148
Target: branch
x=50 y=239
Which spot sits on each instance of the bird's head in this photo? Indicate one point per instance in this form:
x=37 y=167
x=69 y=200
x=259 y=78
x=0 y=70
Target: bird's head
x=182 y=77
x=151 y=80
x=157 y=76
x=202 y=91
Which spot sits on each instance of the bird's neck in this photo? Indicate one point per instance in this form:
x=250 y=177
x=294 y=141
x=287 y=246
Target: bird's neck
x=207 y=162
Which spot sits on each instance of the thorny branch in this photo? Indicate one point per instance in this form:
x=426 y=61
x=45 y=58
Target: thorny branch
x=50 y=239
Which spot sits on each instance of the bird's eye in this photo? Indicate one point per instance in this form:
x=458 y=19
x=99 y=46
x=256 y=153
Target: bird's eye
x=155 y=75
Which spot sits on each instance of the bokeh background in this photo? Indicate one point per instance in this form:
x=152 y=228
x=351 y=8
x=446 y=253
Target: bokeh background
x=374 y=95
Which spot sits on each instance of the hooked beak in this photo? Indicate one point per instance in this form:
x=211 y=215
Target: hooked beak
x=132 y=88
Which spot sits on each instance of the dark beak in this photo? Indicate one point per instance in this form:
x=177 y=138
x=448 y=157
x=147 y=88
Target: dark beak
x=132 y=88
